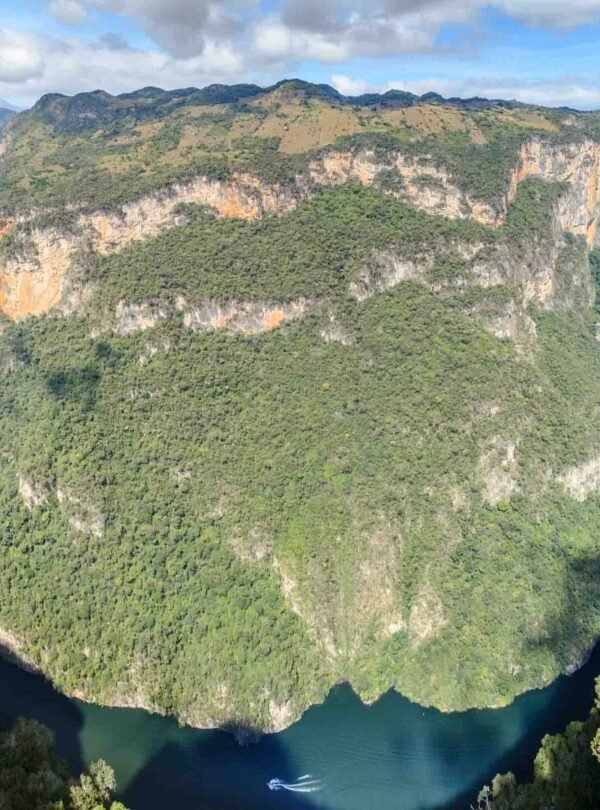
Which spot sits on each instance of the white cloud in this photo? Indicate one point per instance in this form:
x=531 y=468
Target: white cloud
x=553 y=13
x=34 y=65
x=347 y=86
x=335 y=30
x=181 y=27
x=70 y=12
x=357 y=36
x=205 y=41
x=20 y=58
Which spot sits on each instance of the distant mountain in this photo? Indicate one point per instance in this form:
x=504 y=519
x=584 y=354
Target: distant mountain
x=5 y=115
x=86 y=111
x=6 y=105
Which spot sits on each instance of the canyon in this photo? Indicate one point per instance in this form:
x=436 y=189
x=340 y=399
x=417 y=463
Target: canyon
x=276 y=418
x=43 y=274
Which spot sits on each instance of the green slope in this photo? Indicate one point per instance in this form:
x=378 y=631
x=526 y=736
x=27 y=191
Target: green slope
x=229 y=525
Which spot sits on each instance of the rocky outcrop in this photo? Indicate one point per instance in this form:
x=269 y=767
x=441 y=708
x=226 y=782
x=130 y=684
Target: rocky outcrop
x=422 y=183
x=577 y=165
x=236 y=318
x=510 y=322
x=549 y=274
x=426 y=617
x=13 y=649
x=151 y=350
x=33 y=493
x=497 y=471
x=386 y=270
x=582 y=480
x=245 y=318
x=430 y=187
x=241 y=197
x=131 y=318
x=334 y=332
x=40 y=278
x=84 y=517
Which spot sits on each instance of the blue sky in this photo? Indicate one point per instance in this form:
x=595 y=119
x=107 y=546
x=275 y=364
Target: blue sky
x=543 y=51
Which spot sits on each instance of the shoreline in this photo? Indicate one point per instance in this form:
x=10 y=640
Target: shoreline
x=10 y=652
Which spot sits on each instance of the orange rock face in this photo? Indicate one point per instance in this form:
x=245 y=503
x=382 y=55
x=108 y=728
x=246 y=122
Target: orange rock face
x=273 y=319
x=34 y=286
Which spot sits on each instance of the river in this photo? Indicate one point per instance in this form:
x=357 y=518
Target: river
x=393 y=755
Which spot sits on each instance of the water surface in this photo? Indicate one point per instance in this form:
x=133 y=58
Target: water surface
x=393 y=755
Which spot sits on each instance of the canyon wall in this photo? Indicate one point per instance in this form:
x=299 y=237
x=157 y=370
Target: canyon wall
x=40 y=278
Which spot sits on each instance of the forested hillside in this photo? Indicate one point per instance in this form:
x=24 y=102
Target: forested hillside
x=297 y=388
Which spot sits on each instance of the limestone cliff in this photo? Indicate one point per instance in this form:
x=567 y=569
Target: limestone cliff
x=241 y=197
x=40 y=278
x=236 y=317
x=245 y=318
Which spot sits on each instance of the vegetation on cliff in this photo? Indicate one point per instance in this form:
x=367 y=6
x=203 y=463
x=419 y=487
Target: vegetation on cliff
x=566 y=772
x=395 y=487
x=98 y=151
x=32 y=777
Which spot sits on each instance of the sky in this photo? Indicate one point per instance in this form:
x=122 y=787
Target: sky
x=540 y=51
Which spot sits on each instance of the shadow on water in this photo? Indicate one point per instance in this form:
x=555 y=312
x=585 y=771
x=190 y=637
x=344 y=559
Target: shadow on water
x=196 y=775
x=571 y=699
x=393 y=755
x=550 y=710
x=25 y=694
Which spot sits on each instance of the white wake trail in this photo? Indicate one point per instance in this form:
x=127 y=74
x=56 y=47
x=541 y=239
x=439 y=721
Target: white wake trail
x=305 y=784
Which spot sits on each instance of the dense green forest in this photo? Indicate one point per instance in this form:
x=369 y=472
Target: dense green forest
x=219 y=519
x=188 y=487
x=32 y=777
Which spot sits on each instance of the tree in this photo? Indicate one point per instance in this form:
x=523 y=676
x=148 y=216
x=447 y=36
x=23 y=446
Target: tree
x=94 y=789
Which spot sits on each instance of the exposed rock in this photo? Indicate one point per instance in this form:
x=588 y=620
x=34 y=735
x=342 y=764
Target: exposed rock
x=281 y=714
x=312 y=617
x=578 y=165
x=387 y=270
x=334 y=332
x=242 y=197
x=377 y=598
x=37 y=281
x=510 y=322
x=33 y=493
x=424 y=183
x=426 y=616
x=582 y=480
x=130 y=318
x=13 y=649
x=496 y=471
x=254 y=546
x=82 y=516
x=245 y=318
x=152 y=349
x=548 y=275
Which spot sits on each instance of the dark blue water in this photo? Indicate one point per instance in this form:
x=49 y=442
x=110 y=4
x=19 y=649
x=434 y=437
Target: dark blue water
x=393 y=755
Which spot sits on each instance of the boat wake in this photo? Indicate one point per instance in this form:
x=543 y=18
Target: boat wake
x=306 y=784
